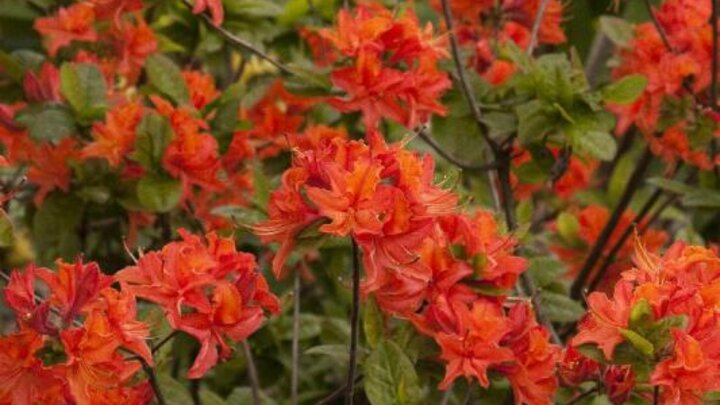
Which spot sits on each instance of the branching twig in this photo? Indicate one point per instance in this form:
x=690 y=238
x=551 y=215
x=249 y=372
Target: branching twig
x=467 y=89
x=152 y=378
x=582 y=396
x=354 y=324
x=578 y=285
x=536 y=26
x=252 y=373
x=242 y=43
x=337 y=393
x=428 y=139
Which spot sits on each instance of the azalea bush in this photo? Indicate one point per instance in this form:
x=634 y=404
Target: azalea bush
x=361 y=202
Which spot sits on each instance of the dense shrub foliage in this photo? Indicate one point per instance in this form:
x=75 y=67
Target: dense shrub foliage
x=381 y=202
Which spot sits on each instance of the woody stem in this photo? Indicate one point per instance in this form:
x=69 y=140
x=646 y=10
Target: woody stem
x=576 y=291
x=152 y=378
x=295 y=340
x=354 y=325
x=252 y=373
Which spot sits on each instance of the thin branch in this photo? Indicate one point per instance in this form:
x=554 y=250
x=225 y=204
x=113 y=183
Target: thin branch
x=423 y=134
x=610 y=257
x=152 y=378
x=295 y=340
x=467 y=89
x=576 y=291
x=670 y=200
x=242 y=43
x=659 y=28
x=162 y=343
x=338 y=393
x=582 y=396
x=447 y=395
x=252 y=373
x=656 y=395
x=536 y=26
x=354 y=325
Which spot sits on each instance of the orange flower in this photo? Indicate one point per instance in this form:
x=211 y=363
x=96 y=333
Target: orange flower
x=114 y=139
x=132 y=44
x=206 y=288
x=215 y=8
x=43 y=87
x=192 y=155
x=50 y=169
x=22 y=377
x=74 y=23
x=202 y=88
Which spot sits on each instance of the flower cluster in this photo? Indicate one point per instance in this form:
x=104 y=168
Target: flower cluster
x=424 y=260
x=110 y=34
x=587 y=224
x=388 y=65
x=83 y=342
x=662 y=322
x=484 y=25
x=676 y=70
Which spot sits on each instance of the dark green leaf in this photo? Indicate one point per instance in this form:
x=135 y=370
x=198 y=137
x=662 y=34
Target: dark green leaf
x=84 y=88
x=174 y=392
x=159 y=193
x=560 y=308
x=534 y=121
x=601 y=145
x=672 y=186
x=6 y=230
x=338 y=352
x=11 y=67
x=390 y=377
x=225 y=122
x=47 y=122
x=373 y=322
x=166 y=77
x=153 y=136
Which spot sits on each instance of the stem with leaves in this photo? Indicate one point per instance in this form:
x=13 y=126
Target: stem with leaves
x=152 y=378
x=576 y=291
x=354 y=325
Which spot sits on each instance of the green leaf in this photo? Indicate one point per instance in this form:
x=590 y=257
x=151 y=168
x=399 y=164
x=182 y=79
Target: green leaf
x=47 y=122
x=560 y=308
x=166 y=77
x=225 y=122
x=153 y=136
x=11 y=67
x=243 y=395
x=84 y=88
x=546 y=270
x=644 y=346
x=567 y=226
x=641 y=315
x=54 y=226
x=619 y=31
x=534 y=121
x=672 y=186
x=625 y=90
x=601 y=145
x=338 y=352
x=174 y=392
x=159 y=193
x=208 y=397
x=702 y=198
x=6 y=230
x=241 y=215
x=390 y=377
x=373 y=323
x=253 y=8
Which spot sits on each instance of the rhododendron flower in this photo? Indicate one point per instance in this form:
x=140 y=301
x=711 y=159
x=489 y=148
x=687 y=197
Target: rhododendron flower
x=207 y=289
x=202 y=88
x=50 y=169
x=215 y=8
x=74 y=23
x=43 y=87
x=379 y=44
x=22 y=377
x=133 y=43
x=114 y=139
x=192 y=155
x=682 y=71
x=683 y=356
